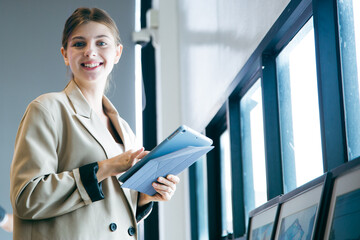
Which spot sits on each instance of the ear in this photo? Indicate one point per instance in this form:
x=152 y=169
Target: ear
x=63 y=52
x=119 y=49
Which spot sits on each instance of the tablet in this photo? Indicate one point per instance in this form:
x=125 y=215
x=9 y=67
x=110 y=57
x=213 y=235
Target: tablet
x=181 y=138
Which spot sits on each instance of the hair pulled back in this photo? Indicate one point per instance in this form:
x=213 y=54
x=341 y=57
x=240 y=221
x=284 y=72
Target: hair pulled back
x=84 y=15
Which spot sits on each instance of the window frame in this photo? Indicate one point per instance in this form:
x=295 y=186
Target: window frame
x=330 y=93
x=349 y=80
x=214 y=130
x=274 y=150
x=234 y=113
x=330 y=85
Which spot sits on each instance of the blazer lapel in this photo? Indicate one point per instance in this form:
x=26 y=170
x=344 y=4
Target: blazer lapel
x=117 y=123
x=99 y=131
x=87 y=117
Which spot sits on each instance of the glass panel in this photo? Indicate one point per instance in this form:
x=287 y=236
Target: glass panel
x=198 y=203
x=253 y=153
x=226 y=183
x=349 y=30
x=299 y=110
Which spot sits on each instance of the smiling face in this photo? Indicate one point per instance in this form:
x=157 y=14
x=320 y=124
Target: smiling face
x=91 y=53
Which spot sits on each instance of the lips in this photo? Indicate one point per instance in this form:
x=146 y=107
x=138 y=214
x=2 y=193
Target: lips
x=91 y=65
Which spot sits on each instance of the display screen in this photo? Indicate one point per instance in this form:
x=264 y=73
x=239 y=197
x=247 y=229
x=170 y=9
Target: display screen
x=263 y=232
x=298 y=226
x=346 y=218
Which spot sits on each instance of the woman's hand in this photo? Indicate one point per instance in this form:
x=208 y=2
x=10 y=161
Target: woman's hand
x=119 y=164
x=165 y=188
x=8 y=225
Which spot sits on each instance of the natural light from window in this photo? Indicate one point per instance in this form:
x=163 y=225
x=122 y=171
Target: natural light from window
x=356 y=8
x=299 y=110
x=257 y=148
x=349 y=36
x=253 y=153
x=226 y=184
x=138 y=79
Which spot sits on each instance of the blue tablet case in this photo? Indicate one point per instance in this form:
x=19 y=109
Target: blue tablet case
x=180 y=139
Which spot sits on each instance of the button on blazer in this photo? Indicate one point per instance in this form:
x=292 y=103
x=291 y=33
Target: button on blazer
x=58 y=134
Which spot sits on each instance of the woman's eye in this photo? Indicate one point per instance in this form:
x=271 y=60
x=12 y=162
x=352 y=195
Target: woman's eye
x=79 y=44
x=102 y=43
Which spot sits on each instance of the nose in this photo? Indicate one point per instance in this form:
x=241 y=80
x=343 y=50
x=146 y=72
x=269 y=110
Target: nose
x=90 y=51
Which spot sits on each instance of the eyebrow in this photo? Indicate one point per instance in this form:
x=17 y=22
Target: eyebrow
x=82 y=38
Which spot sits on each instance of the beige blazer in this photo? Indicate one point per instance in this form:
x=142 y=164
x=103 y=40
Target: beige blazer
x=58 y=134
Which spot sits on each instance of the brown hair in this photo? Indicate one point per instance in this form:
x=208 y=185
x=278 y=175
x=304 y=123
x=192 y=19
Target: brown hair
x=85 y=15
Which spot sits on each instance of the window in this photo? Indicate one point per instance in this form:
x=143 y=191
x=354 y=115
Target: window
x=349 y=35
x=219 y=182
x=299 y=110
x=280 y=81
x=226 y=186
x=253 y=154
x=198 y=203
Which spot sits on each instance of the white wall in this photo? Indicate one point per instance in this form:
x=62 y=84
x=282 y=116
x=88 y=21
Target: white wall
x=216 y=40
x=203 y=45
x=174 y=215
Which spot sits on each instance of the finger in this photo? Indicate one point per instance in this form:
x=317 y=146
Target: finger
x=159 y=187
x=166 y=182
x=132 y=160
x=165 y=191
x=157 y=197
x=173 y=178
x=162 y=195
x=137 y=153
x=143 y=154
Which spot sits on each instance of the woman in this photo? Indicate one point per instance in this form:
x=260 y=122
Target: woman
x=71 y=146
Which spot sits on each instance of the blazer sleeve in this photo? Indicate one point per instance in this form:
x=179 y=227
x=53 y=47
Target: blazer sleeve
x=37 y=190
x=144 y=211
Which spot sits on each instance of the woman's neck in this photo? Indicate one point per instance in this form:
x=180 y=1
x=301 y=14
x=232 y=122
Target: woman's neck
x=93 y=92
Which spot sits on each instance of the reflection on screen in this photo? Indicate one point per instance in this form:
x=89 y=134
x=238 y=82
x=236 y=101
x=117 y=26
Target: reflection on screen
x=263 y=232
x=298 y=226
x=346 y=218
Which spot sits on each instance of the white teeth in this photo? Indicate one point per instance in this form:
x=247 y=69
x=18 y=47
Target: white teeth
x=91 y=65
